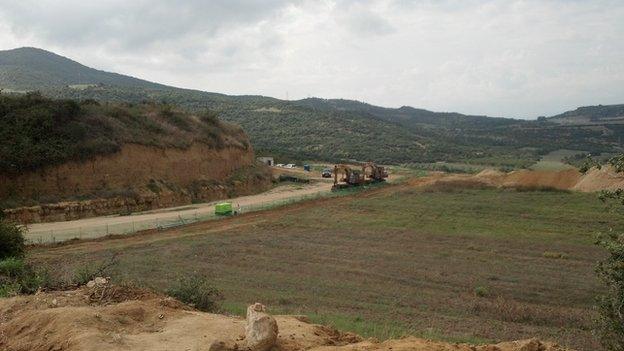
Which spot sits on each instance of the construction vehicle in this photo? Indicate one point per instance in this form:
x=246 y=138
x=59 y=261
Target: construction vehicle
x=374 y=172
x=370 y=173
x=348 y=176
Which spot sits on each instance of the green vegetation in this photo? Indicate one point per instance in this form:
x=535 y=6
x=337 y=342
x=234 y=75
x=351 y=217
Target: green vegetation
x=592 y=115
x=610 y=324
x=329 y=130
x=481 y=291
x=27 y=68
x=11 y=240
x=197 y=291
x=17 y=277
x=36 y=131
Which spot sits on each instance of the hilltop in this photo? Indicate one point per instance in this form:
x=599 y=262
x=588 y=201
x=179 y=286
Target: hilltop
x=601 y=114
x=128 y=157
x=332 y=130
x=36 y=132
x=27 y=68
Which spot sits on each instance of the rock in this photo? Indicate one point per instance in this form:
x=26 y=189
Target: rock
x=261 y=329
x=98 y=281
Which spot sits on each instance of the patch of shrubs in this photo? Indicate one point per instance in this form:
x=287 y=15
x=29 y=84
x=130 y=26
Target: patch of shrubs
x=11 y=240
x=482 y=291
x=17 y=277
x=197 y=291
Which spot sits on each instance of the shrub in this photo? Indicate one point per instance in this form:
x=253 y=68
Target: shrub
x=481 y=291
x=11 y=240
x=197 y=291
x=554 y=255
x=17 y=277
x=11 y=267
x=88 y=272
x=610 y=324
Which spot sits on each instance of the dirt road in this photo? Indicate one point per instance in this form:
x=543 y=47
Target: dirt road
x=101 y=226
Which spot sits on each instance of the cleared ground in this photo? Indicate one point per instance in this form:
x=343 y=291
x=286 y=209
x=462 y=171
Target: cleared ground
x=89 y=228
x=471 y=265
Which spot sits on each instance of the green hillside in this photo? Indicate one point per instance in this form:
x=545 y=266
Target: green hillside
x=36 y=131
x=332 y=130
x=26 y=69
x=601 y=114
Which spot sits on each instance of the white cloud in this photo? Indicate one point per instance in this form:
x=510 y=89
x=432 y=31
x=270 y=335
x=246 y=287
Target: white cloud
x=506 y=58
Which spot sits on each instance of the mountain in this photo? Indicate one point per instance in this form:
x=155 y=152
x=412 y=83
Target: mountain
x=35 y=69
x=329 y=129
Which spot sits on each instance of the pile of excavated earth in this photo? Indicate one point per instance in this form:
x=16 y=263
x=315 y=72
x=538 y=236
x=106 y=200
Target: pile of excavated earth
x=595 y=179
x=103 y=316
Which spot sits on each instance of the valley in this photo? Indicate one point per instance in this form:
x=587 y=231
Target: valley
x=484 y=230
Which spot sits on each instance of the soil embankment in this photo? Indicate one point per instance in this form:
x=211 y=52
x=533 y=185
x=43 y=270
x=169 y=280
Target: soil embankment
x=138 y=178
x=593 y=180
x=121 y=318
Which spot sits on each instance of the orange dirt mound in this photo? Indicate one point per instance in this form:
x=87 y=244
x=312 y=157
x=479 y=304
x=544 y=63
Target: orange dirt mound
x=550 y=179
x=570 y=179
x=74 y=320
x=600 y=179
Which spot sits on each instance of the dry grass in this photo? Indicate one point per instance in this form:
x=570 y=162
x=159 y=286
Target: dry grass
x=392 y=261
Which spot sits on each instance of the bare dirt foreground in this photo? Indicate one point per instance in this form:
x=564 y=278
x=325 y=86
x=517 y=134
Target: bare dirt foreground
x=108 y=317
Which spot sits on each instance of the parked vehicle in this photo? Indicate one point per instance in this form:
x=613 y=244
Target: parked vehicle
x=327 y=173
x=279 y=165
x=290 y=165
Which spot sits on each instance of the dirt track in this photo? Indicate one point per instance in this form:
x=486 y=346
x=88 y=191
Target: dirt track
x=102 y=226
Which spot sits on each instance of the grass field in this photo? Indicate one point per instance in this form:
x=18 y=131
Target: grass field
x=462 y=265
x=553 y=161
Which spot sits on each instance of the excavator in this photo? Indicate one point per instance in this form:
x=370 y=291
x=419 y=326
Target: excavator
x=374 y=172
x=370 y=173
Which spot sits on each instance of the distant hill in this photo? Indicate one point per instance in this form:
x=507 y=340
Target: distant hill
x=601 y=114
x=35 y=69
x=328 y=129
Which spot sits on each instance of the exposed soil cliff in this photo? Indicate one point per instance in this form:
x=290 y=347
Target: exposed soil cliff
x=137 y=178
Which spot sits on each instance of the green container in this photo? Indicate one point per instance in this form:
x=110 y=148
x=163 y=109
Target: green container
x=223 y=209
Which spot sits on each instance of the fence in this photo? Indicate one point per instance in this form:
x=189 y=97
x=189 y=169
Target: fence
x=131 y=226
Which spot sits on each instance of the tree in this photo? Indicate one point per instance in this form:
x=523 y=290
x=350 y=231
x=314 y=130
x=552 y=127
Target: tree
x=610 y=324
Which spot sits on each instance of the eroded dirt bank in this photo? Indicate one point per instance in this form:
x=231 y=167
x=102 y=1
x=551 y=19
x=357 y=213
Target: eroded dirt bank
x=138 y=178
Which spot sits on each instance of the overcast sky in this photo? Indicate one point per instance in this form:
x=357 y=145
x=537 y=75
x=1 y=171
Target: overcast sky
x=503 y=58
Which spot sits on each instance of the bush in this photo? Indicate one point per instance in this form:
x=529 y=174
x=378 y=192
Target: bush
x=11 y=267
x=84 y=274
x=554 y=255
x=610 y=324
x=11 y=240
x=197 y=291
x=481 y=291
x=17 y=277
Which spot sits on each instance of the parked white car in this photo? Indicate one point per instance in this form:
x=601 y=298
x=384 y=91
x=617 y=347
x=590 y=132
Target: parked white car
x=290 y=165
x=279 y=165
